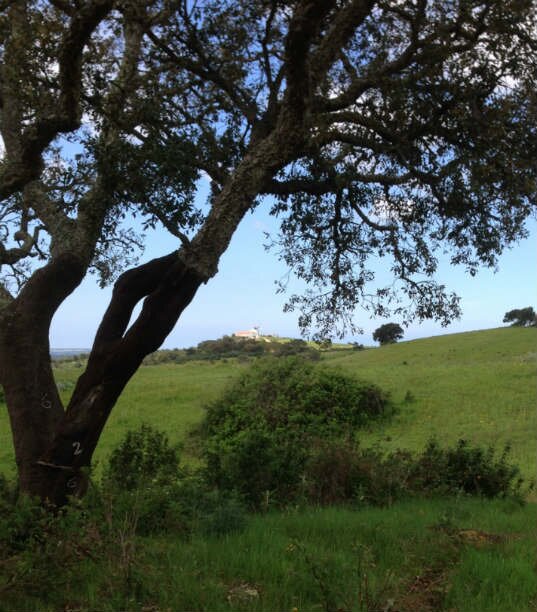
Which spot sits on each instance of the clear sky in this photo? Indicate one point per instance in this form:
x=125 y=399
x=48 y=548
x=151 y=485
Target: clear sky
x=243 y=294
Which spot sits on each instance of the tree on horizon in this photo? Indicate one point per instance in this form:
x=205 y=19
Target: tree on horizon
x=521 y=317
x=388 y=333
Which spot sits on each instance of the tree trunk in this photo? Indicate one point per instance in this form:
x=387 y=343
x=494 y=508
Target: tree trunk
x=34 y=406
x=54 y=447
x=112 y=363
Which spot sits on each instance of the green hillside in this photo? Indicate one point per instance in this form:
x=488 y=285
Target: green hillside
x=477 y=385
x=481 y=386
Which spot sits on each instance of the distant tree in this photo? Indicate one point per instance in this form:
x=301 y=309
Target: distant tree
x=521 y=317
x=388 y=333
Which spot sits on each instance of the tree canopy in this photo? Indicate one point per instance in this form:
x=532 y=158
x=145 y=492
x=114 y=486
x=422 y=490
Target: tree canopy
x=379 y=129
x=388 y=333
x=521 y=317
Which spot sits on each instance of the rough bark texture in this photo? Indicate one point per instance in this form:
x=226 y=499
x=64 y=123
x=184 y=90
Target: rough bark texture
x=34 y=406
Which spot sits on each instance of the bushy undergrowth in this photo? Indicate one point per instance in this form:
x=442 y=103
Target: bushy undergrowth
x=285 y=432
x=143 y=476
x=143 y=458
x=39 y=548
x=257 y=436
x=342 y=472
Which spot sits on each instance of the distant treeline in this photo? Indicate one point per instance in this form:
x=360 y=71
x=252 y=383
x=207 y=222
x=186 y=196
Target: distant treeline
x=228 y=347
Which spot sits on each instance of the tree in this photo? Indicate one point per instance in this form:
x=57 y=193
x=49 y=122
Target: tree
x=379 y=129
x=388 y=333
x=521 y=317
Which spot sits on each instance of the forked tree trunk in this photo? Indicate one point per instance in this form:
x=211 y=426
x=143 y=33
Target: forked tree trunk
x=112 y=363
x=53 y=447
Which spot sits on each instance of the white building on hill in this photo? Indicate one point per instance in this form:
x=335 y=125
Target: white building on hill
x=252 y=334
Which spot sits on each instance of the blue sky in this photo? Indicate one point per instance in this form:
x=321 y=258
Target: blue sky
x=243 y=294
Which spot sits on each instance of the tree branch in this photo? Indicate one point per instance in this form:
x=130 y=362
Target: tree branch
x=347 y=20
x=25 y=164
x=129 y=289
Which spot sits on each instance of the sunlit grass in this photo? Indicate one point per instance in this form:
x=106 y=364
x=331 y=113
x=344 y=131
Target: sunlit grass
x=481 y=386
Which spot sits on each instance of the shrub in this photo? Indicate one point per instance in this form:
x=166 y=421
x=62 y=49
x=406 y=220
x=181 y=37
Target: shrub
x=340 y=471
x=257 y=435
x=144 y=457
x=143 y=481
x=467 y=469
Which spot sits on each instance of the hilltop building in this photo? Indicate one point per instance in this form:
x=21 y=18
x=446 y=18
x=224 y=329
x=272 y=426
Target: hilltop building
x=252 y=334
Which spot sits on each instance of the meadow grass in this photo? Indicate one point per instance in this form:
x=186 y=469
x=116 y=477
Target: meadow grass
x=414 y=556
x=468 y=555
x=480 y=386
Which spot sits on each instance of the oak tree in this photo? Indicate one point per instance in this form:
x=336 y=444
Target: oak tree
x=388 y=333
x=521 y=317
x=397 y=130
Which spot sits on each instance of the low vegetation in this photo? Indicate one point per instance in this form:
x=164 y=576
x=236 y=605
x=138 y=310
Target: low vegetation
x=329 y=493
x=258 y=435
x=121 y=547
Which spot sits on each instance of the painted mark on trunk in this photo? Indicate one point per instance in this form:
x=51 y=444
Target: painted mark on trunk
x=72 y=483
x=78 y=448
x=45 y=402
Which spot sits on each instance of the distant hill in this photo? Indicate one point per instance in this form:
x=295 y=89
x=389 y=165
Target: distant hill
x=68 y=352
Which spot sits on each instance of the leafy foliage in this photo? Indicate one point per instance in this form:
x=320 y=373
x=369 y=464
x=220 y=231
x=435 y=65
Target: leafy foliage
x=339 y=471
x=407 y=156
x=467 y=469
x=143 y=478
x=258 y=433
x=144 y=457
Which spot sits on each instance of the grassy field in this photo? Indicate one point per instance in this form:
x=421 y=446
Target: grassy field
x=454 y=554
x=481 y=386
x=478 y=385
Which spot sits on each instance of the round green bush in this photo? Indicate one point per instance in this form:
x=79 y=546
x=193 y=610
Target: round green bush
x=257 y=435
x=144 y=457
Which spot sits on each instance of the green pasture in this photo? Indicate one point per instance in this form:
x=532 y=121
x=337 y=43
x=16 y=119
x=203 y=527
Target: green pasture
x=458 y=554
x=481 y=386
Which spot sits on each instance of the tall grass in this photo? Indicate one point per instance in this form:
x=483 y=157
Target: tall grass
x=410 y=557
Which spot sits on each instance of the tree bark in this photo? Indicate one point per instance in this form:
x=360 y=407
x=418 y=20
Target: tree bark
x=32 y=398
